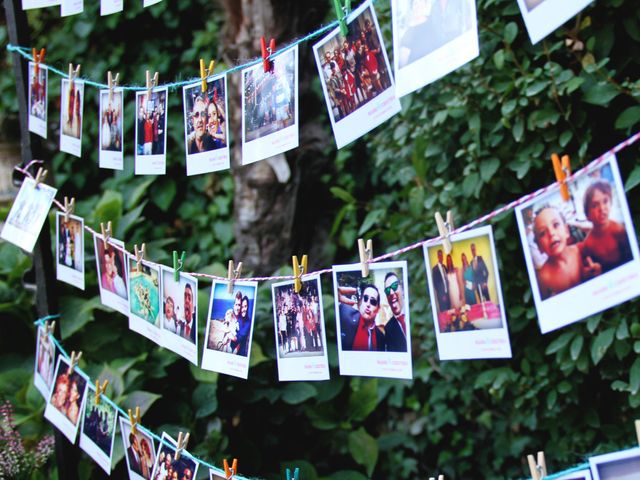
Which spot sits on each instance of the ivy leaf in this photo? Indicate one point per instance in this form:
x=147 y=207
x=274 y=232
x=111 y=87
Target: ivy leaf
x=364 y=400
x=342 y=194
x=298 y=392
x=601 y=94
x=576 y=347
x=364 y=449
x=601 y=344
x=510 y=32
x=205 y=399
x=633 y=180
x=628 y=118
x=140 y=398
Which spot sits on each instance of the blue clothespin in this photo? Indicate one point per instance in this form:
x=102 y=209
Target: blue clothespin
x=178 y=264
x=342 y=12
x=296 y=474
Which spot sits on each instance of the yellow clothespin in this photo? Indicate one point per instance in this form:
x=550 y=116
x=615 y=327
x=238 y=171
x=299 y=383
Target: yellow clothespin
x=73 y=74
x=299 y=269
x=637 y=422
x=38 y=58
x=75 y=358
x=106 y=233
x=562 y=169
x=139 y=253
x=537 y=468
x=151 y=83
x=366 y=254
x=182 y=444
x=206 y=73
x=230 y=472
x=444 y=229
x=233 y=274
x=41 y=174
x=100 y=389
x=49 y=327
x=134 y=419
x=69 y=206
x=113 y=83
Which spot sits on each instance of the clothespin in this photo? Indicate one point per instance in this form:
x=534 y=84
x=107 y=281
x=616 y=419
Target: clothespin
x=100 y=389
x=637 y=422
x=106 y=233
x=341 y=13
x=75 y=358
x=49 y=327
x=73 y=74
x=233 y=274
x=440 y=477
x=299 y=269
x=205 y=73
x=296 y=474
x=266 y=53
x=178 y=264
x=69 y=206
x=41 y=174
x=37 y=60
x=139 y=253
x=562 y=169
x=537 y=468
x=113 y=83
x=366 y=254
x=230 y=472
x=444 y=229
x=151 y=83
x=134 y=419
x=182 y=444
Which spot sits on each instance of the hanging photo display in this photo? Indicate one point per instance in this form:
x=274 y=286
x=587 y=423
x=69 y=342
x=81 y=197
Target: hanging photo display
x=356 y=77
x=582 y=254
x=167 y=465
x=66 y=401
x=70 y=250
x=622 y=465
x=227 y=345
x=71 y=102
x=38 y=97
x=301 y=342
x=111 y=145
x=431 y=39
x=144 y=299
x=139 y=449
x=270 y=108
x=579 y=475
x=112 y=274
x=466 y=297
x=107 y=7
x=206 y=129
x=372 y=320
x=98 y=430
x=28 y=214
x=45 y=363
x=151 y=132
x=179 y=314
x=542 y=17
x=71 y=7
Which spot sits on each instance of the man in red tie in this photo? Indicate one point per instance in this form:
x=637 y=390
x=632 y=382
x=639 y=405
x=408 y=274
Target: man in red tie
x=395 y=331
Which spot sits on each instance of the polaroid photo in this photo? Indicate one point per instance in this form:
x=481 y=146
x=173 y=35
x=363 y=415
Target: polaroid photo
x=44 y=364
x=372 y=320
x=66 y=401
x=107 y=7
x=216 y=475
x=29 y=4
x=98 y=430
x=38 y=94
x=166 y=463
x=151 y=132
x=71 y=7
x=622 y=465
x=270 y=108
x=356 y=77
x=70 y=250
x=582 y=254
x=148 y=3
x=179 y=318
x=541 y=17
x=112 y=274
x=466 y=297
x=71 y=101
x=111 y=153
x=28 y=214
x=144 y=299
x=431 y=39
x=301 y=343
x=140 y=453
x=227 y=346
x=579 y=475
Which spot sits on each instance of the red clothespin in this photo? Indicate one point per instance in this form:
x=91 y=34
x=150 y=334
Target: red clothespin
x=562 y=169
x=204 y=73
x=266 y=53
x=230 y=472
x=37 y=60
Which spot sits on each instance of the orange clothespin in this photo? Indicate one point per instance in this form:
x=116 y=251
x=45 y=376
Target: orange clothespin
x=41 y=174
x=100 y=389
x=299 y=269
x=113 y=83
x=38 y=58
x=106 y=233
x=266 y=53
x=139 y=253
x=182 y=444
x=444 y=229
x=69 y=206
x=366 y=254
x=230 y=472
x=204 y=73
x=49 y=327
x=562 y=169
x=75 y=358
x=233 y=274
x=537 y=468
x=151 y=82
x=73 y=74
x=134 y=419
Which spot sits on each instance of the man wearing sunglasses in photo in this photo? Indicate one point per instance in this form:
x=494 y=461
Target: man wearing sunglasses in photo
x=358 y=327
x=395 y=331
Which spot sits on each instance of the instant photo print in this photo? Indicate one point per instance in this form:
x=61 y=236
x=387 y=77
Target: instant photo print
x=139 y=451
x=71 y=7
x=38 y=90
x=44 y=364
x=144 y=299
x=29 y=4
x=110 y=132
x=107 y=7
x=98 y=430
x=166 y=461
x=70 y=250
x=542 y=17
x=112 y=274
x=623 y=465
x=71 y=116
x=151 y=132
x=179 y=314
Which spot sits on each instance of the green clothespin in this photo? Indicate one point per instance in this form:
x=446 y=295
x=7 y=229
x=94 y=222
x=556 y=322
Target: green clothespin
x=342 y=12
x=178 y=264
x=296 y=474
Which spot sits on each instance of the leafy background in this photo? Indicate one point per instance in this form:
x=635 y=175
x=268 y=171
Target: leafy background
x=473 y=141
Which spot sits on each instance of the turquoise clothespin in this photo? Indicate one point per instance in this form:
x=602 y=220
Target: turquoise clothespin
x=296 y=474
x=342 y=12
x=178 y=264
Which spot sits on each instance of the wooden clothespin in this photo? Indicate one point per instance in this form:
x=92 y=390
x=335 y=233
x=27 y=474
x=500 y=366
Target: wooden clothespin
x=296 y=474
x=41 y=175
x=134 y=420
x=299 y=269
x=366 y=254
x=106 y=233
x=562 y=169
x=178 y=264
x=69 y=206
x=113 y=83
x=537 y=468
x=233 y=274
x=38 y=58
x=151 y=83
x=100 y=389
x=204 y=73
x=75 y=358
x=49 y=327
x=444 y=229
x=267 y=63
x=637 y=423
x=73 y=74
x=139 y=253
x=230 y=472
x=440 y=477
x=342 y=11
x=182 y=444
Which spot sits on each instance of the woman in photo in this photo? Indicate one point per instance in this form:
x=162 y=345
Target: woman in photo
x=454 y=282
x=215 y=125
x=467 y=276
x=59 y=398
x=72 y=410
x=111 y=278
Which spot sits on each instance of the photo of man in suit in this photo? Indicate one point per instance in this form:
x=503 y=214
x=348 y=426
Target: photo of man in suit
x=395 y=331
x=439 y=276
x=358 y=328
x=480 y=275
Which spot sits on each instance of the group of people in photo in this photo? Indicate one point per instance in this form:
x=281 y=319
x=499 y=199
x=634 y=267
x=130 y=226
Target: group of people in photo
x=70 y=252
x=38 y=100
x=151 y=123
x=299 y=320
x=98 y=426
x=72 y=121
x=111 y=123
x=206 y=128
x=181 y=320
x=231 y=334
x=46 y=357
x=67 y=395
x=171 y=469
x=139 y=455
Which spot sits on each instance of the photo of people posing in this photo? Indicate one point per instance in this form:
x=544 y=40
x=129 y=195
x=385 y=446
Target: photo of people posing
x=98 y=430
x=111 y=111
x=151 y=130
x=140 y=453
x=67 y=399
x=112 y=274
x=168 y=468
x=179 y=314
x=144 y=299
x=372 y=316
x=38 y=99
x=576 y=249
x=45 y=363
x=71 y=105
x=70 y=249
